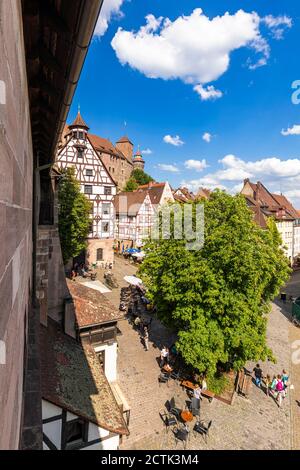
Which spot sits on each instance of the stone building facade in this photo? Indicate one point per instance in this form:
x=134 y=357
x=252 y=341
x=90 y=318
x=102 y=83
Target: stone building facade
x=16 y=169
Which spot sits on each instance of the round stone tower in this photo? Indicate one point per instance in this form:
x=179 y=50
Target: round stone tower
x=138 y=161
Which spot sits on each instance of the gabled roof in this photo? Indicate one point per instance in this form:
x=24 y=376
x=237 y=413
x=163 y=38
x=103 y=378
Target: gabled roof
x=79 y=122
x=203 y=193
x=272 y=205
x=185 y=194
x=129 y=202
x=90 y=306
x=285 y=203
x=72 y=378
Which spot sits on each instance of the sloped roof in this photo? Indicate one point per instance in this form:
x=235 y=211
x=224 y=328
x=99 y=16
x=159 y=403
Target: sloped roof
x=73 y=379
x=90 y=306
x=124 y=140
x=203 y=193
x=129 y=202
x=79 y=122
x=284 y=202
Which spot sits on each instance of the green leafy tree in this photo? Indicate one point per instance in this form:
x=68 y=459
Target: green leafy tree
x=141 y=177
x=74 y=216
x=131 y=185
x=217 y=299
x=138 y=178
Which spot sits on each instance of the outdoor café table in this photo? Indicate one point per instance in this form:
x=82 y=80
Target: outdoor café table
x=186 y=416
x=167 y=368
x=189 y=385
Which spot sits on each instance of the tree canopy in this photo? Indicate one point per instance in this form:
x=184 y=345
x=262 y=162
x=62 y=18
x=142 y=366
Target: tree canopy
x=217 y=298
x=74 y=216
x=138 y=178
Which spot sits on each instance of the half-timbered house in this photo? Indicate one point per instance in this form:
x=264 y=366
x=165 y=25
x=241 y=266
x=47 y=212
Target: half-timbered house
x=134 y=217
x=96 y=183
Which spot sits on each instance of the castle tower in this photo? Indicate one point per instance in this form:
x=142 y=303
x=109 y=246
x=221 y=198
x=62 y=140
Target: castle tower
x=79 y=128
x=138 y=161
x=125 y=146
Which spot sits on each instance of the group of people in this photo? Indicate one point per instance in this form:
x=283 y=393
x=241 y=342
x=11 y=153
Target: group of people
x=79 y=270
x=276 y=386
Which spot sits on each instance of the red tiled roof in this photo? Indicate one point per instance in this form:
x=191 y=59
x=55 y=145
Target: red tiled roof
x=284 y=202
x=129 y=202
x=124 y=139
x=90 y=306
x=203 y=193
x=72 y=378
x=79 y=122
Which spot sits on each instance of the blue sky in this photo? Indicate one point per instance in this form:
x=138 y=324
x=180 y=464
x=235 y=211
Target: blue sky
x=228 y=76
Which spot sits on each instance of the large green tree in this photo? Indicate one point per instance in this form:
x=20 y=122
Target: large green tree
x=74 y=215
x=218 y=298
x=138 y=178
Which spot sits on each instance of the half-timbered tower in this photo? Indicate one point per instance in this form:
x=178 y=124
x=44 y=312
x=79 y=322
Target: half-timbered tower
x=96 y=183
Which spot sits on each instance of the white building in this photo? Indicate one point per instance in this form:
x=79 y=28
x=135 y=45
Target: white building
x=96 y=183
x=134 y=217
x=265 y=204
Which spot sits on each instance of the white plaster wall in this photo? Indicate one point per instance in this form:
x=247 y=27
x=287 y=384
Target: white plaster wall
x=53 y=432
x=110 y=361
x=95 y=432
x=109 y=444
x=49 y=410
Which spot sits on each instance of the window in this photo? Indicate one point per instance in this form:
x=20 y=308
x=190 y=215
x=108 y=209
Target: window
x=80 y=152
x=106 y=208
x=89 y=172
x=101 y=358
x=100 y=254
x=109 y=169
x=80 y=135
x=88 y=189
x=113 y=170
x=107 y=190
x=75 y=433
x=105 y=227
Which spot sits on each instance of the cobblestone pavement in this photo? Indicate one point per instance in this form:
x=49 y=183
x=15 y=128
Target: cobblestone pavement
x=254 y=423
x=293 y=288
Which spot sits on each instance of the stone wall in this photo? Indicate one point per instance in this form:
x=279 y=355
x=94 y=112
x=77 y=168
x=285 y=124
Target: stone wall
x=51 y=289
x=15 y=219
x=105 y=245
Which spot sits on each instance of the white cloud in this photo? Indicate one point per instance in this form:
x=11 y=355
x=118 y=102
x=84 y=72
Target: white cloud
x=207 y=137
x=295 y=130
x=277 y=175
x=110 y=9
x=147 y=152
x=176 y=141
x=194 y=48
x=277 y=24
x=166 y=167
x=208 y=93
x=198 y=165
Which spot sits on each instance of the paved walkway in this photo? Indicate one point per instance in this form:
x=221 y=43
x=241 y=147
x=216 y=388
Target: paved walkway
x=256 y=423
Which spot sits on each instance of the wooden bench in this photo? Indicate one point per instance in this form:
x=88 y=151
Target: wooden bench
x=205 y=393
x=208 y=394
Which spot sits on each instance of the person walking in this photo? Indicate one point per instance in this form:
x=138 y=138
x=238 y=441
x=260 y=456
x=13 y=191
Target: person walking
x=268 y=383
x=285 y=381
x=279 y=390
x=164 y=356
x=258 y=374
x=146 y=338
x=273 y=386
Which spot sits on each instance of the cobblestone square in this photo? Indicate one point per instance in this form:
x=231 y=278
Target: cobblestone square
x=254 y=423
